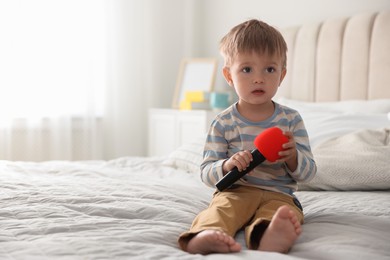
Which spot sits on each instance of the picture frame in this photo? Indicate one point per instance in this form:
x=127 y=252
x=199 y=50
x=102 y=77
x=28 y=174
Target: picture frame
x=195 y=74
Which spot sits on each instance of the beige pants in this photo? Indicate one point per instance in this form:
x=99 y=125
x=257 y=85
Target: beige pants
x=236 y=208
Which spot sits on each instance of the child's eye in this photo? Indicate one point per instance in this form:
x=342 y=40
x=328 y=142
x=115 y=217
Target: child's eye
x=270 y=69
x=246 y=69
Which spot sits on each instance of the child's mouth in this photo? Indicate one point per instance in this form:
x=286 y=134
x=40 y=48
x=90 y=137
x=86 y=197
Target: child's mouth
x=258 y=92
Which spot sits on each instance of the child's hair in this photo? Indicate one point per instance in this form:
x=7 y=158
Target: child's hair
x=253 y=35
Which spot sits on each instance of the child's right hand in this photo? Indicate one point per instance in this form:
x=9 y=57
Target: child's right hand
x=241 y=160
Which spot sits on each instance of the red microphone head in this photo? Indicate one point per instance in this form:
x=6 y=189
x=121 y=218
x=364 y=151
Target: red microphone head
x=269 y=143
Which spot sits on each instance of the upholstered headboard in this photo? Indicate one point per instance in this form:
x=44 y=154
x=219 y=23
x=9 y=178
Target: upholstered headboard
x=339 y=59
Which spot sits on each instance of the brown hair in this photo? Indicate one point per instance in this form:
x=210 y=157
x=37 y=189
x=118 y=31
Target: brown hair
x=253 y=35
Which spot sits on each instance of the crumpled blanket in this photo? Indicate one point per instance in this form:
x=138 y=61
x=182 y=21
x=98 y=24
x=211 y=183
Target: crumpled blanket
x=356 y=161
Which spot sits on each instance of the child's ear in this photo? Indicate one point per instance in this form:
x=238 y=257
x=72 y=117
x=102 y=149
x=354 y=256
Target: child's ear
x=282 y=75
x=227 y=75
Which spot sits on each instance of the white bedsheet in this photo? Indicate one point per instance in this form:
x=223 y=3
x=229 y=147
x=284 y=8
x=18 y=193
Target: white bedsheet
x=134 y=208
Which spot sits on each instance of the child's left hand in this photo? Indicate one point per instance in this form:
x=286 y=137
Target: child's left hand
x=289 y=154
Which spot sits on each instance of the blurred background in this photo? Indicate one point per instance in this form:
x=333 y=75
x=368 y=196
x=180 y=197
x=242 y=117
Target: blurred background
x=78 y=77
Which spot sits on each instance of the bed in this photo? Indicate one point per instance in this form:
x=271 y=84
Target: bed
x=136 y=207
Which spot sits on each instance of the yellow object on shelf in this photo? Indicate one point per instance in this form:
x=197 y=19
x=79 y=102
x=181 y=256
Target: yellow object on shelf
x=197 y=96
x=195 y=100
x=190 y=105
x=185 y=105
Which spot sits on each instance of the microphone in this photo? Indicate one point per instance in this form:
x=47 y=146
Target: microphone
x=269 y=144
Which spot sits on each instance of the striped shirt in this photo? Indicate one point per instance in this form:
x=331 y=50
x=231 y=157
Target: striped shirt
x=230 y=133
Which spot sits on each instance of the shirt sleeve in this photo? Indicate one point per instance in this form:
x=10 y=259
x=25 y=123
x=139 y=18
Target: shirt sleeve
x=214 y=154
x=307 y=167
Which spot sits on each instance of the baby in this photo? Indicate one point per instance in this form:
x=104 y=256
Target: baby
x=263 y=201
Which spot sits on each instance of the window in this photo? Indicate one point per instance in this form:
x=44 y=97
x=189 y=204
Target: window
x=52 y=58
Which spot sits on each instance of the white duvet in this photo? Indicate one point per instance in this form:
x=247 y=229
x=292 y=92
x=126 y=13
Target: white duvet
x=134 y=208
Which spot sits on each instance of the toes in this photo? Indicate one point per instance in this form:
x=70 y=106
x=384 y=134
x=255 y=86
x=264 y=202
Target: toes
x=228 y=241
x=235 y=248
x=211 y=241
x=293 y=217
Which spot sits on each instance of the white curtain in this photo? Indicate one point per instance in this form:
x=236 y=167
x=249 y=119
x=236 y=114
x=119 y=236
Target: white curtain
x=147 y=40
x=53 y=76
x=77 y=77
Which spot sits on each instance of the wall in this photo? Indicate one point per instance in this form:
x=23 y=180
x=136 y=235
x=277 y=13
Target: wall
x=218 y=16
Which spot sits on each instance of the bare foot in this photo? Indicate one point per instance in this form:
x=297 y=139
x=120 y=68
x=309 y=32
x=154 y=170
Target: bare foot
x=282 y=232
x=212 y=241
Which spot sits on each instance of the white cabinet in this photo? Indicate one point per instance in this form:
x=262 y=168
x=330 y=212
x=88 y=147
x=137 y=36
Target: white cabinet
x=171 y=128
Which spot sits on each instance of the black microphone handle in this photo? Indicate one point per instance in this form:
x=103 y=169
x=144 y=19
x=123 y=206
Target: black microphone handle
x=234 y=175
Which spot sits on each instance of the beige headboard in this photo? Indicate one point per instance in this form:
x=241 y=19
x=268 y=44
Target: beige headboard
x=339 y=59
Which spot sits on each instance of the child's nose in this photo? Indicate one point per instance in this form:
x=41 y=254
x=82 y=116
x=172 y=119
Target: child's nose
x=259 y=78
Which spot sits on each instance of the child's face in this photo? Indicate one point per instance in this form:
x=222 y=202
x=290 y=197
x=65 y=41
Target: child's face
x=255 y=77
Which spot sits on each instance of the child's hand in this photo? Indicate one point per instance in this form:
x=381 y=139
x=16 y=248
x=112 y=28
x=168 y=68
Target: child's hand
x=289 y=154
x=241 y=160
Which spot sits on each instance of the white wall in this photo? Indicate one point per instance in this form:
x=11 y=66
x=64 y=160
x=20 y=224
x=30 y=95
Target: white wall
x=218 y=16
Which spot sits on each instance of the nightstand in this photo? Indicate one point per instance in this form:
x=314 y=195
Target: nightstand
x=171 y=128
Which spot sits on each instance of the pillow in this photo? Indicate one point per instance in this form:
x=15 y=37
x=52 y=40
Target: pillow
x=322 y=126
x=350 y=106
x=355 y=161
x=325 y=120
x=188 y=157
